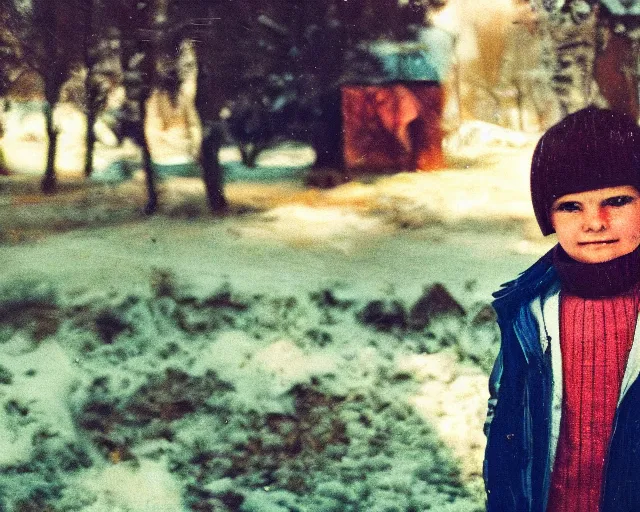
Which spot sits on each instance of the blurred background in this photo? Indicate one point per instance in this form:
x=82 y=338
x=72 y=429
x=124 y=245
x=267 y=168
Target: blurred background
x=248 y=248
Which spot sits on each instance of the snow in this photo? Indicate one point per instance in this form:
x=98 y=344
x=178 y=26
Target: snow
x=184 y=362
x=261 y=378
x=147 y=487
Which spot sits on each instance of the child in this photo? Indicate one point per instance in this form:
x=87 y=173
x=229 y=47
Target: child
x=563 y=430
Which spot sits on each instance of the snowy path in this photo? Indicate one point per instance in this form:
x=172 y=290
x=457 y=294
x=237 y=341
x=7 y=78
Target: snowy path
x=206 y=253
x=459 y=226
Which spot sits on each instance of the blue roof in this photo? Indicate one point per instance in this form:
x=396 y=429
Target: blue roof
x=405 y=61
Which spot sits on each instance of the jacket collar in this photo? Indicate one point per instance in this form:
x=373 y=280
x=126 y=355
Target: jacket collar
x=534 y=282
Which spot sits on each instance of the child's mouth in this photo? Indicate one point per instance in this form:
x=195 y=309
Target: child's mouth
x=598 y=242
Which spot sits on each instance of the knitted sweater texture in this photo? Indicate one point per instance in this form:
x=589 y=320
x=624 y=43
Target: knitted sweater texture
x=595 y=338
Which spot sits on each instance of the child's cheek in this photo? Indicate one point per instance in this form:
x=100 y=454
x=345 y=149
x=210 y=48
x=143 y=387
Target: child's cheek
x=632 y=227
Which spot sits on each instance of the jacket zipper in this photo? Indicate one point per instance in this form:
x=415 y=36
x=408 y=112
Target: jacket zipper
x=605 y=471
x=549 y=401
x=526 y=477
x=545 y=365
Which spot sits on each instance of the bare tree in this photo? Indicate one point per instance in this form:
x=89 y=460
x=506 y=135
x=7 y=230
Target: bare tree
x=142 y=25
x=50 y=42
x=11 y=55
x=594 y=51
x=224 y=54
x=90 y=55
x=54 y=48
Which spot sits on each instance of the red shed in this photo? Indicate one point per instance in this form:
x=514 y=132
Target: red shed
x=392 y=121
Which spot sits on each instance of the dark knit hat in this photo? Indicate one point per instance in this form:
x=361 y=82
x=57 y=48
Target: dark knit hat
x=589 y=149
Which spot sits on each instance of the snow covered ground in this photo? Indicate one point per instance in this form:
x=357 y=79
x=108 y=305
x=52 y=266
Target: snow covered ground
x=297 y=355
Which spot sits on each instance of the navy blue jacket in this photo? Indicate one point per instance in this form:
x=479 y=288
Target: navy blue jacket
x=517 y=463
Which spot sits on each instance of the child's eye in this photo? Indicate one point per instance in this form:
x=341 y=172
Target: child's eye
x=568 y=206
x=618 y=201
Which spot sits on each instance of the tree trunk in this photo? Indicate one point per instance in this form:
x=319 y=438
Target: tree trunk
x=250 y=153
x=212 y=138
x=212 y=171
x=327 y=137
x=138 y=77
x=54 y=75
x=49 y=180
x=90 y=140
x=149 y=172
x=570 y=48
x=89 y=87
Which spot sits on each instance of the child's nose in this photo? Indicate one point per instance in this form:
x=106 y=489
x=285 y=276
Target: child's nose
x=595 y=219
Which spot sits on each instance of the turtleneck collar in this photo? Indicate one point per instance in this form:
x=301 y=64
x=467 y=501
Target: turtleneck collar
x=597 y=280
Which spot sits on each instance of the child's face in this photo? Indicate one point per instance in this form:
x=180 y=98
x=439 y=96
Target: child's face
x=598 y=225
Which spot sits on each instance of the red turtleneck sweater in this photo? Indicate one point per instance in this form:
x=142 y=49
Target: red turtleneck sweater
x=595 y=339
